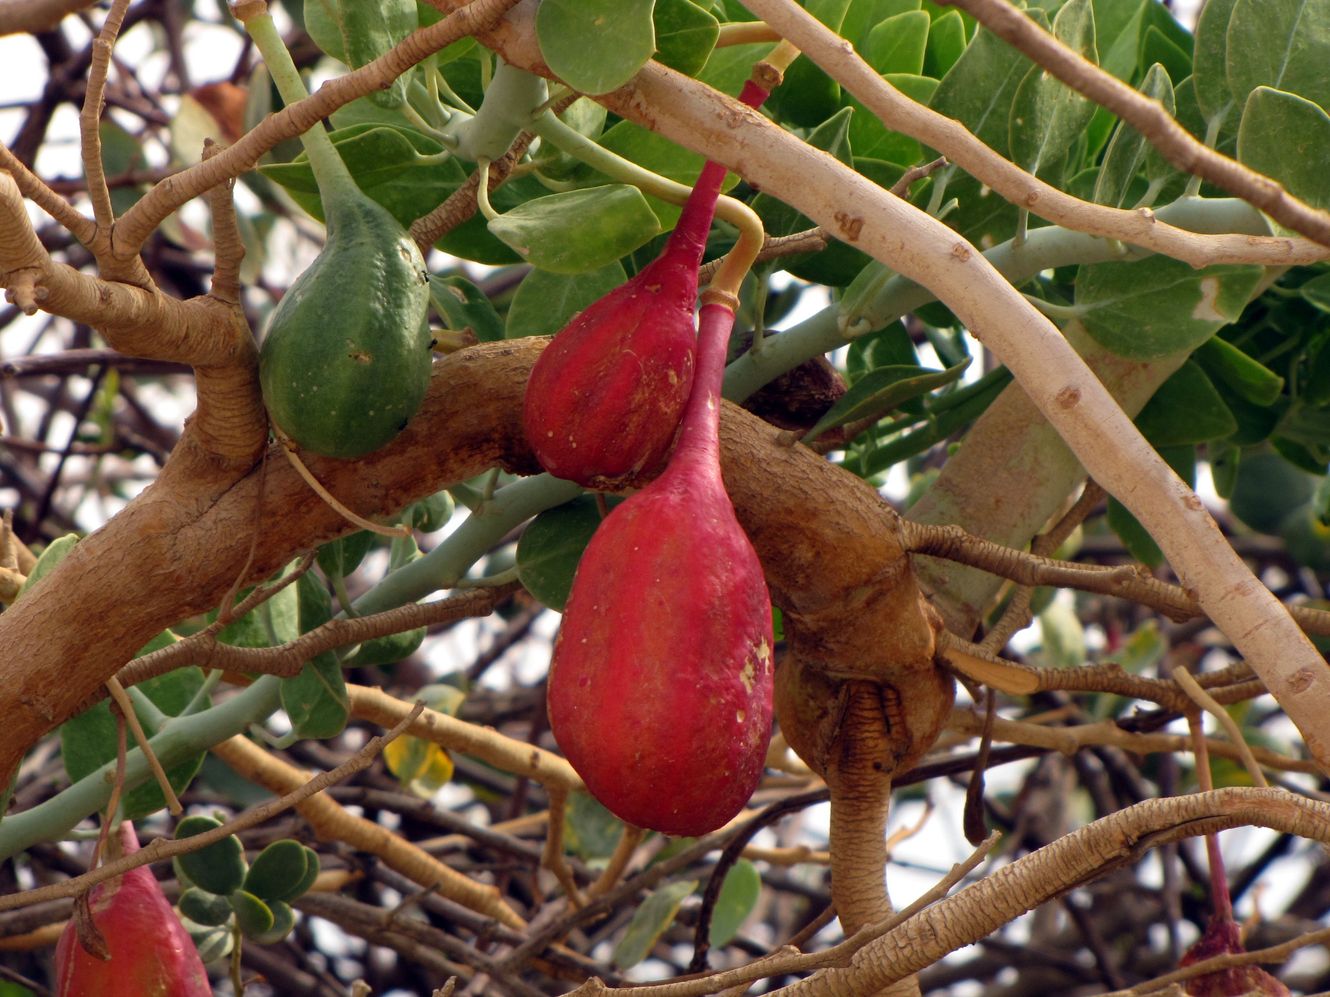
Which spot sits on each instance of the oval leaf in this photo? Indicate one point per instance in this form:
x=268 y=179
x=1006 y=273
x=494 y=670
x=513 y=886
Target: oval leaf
x=595 y=46
x=1284 y=136
x=650 y=921
x=738 y=896
x=545 y=301
x=277 y=871
x=220 y=867
x=578 y=230
x=1148 y=309
x=551 y=547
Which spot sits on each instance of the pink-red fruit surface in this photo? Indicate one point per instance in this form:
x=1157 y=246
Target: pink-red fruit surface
x=661 y=682
x=605 y=398
x=151 y=953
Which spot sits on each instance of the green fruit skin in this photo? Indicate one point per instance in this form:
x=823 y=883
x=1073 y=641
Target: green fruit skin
x=346 y=361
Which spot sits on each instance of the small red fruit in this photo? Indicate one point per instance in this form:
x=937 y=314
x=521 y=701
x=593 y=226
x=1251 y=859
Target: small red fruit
x=661 y=682
x=605 y=397
x=151 y=954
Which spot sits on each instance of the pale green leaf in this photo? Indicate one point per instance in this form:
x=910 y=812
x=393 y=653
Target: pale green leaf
x=595 y=45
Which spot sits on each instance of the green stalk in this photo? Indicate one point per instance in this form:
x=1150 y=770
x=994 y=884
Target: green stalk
x=330 y=173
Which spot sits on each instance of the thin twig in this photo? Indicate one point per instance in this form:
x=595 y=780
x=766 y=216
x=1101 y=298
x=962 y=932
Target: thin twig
x=164 y=848
x=1207 y=702
x=228 y=247
x=122 y=700
x=1123 y=581
x=90 y=118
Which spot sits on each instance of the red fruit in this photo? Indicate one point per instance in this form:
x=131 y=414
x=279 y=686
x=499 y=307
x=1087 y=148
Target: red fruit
x=151 y=953
x=660 y=686
x=605 y=397
x=1223 y=937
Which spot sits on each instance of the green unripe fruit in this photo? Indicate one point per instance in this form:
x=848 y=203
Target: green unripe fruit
x=346 y=361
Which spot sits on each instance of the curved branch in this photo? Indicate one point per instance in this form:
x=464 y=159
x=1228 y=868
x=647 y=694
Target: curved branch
x=1148 y=117
x=1064 y=390
x=208 y=333
x=142 y=219
x=838 y=59
x=1079 y=857
x=168 y=555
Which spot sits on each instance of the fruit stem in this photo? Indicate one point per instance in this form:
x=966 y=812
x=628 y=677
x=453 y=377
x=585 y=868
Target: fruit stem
x=330 y=173
x=700 y=435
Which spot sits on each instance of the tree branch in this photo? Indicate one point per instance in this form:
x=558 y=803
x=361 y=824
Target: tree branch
x=1141 y=228
x=1148 y=117
x=1048 y=369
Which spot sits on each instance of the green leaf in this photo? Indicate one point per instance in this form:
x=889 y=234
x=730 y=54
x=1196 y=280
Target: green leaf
x=1284 y=44
x=595 y=46
x=1224 y=362
x=778 y=218
x=342 y=556
x=278 y=871
x=863 y=15
x=880 y=391
x=730 y=65
x=1128 y=150
x=545 y=301
x=1149 y=309
x=978 y=92
x=1157 y=47
x=1185 y=409
x=275 y=621
x=551 y=547
x=432 y=513
x=1285 y=136
x=649 y=922
x=897 y=44
x=870 y=138
x=1268 y=488
x=203 y=907
x=685 y=35
x=578 y=230
x=253 y=916
x=463 y=307
x=316 y=700
x=1225 y=458
x=589 y=830
x=54 y=552
x=283 y=921
x=1046 y=115
x=659 y=155
x=1210 y=59
x=1317 y=292
x=1143 y=650
x=946 y=43
x=737 y=898
x=218 y=868
x=405 y=170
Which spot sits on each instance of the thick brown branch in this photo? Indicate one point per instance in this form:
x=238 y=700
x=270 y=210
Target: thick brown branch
x=1079 y=857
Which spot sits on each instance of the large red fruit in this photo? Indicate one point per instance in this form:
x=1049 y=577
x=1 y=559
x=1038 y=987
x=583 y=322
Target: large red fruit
x=151 y=953
x=660 y=686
